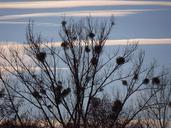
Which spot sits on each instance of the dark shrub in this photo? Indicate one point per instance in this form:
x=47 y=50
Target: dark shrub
x=95 y=102
x=117 y=106
x=25 y=124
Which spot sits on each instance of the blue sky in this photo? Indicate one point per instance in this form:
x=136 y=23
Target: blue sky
x=147 y=21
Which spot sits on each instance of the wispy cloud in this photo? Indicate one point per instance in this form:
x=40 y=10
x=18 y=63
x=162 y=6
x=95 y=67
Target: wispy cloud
x=33 y=68
x=140 y=41
x=76 y=3
x=77 y=13
x=26 y=23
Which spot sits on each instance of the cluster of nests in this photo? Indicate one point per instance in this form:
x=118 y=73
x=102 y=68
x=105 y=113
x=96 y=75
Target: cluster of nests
x=61 y=93
x=116 y=106
x=41 y=56
x=114 y=109
x=58 y=90
x=97 y=49
x=154 y=81
x=91 y=35
x=119 y=60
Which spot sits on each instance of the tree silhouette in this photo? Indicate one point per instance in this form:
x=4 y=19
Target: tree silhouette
x=75 y=97
x=9 y=104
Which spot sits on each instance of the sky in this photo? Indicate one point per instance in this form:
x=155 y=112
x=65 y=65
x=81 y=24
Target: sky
x=145 y=21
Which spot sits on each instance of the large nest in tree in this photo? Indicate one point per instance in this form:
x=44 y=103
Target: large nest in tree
x=117 y=106
x=124 y=82
x=169 y=104
x=91 y=35
x=98 y=49
x=58 y=89
x=41 y=56
x=94 y=61
x=66 y=92
x=43 y=91
x=87 y=49
x=65 y=45
x=146 y=81
x=74 y=38
x=63 y=23
x=120 y=60
x=155 y=80
x=135 y=76
x=36 y=94
x=59 y=83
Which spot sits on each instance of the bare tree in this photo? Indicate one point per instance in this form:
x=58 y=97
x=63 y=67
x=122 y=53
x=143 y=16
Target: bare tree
x=9 y=104
x=74 y=98
x=158 y=116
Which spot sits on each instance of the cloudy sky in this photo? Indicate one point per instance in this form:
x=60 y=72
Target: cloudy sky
x=146 y=21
